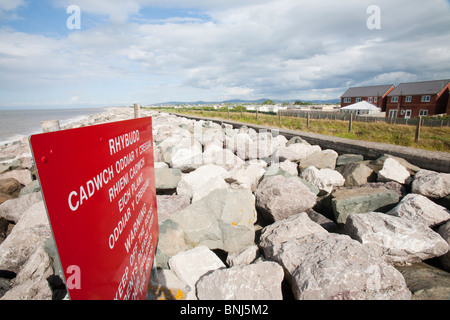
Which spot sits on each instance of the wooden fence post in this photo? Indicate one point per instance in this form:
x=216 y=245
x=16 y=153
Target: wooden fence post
x=419 y=124
x=350 y=123
x=137 y=109
x=307 y=120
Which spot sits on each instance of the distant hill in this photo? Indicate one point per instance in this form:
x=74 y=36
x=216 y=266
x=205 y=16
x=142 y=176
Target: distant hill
x=331 y=101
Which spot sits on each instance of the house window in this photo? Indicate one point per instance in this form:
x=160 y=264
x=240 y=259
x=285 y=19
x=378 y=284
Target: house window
x=370 y=99
x=408 y=99
x=408 y=114
x=392 y=113
x=347 y=100
x=358 y=99
x=394 y=99
x=423 y=112
x=426 y=98
x=375 y=99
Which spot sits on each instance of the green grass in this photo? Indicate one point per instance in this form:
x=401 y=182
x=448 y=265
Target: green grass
x=431 y=138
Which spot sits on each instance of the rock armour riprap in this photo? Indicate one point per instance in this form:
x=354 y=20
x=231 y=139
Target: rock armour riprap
x=252 y=215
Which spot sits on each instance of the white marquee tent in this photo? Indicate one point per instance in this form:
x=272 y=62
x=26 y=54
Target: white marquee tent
x=362 y=107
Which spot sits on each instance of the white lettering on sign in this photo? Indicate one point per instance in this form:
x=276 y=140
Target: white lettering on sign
x=76 y=199
x=123 y=141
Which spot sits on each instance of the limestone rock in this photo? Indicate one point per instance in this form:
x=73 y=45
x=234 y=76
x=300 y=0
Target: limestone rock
x=32 y=187
x=426 y=282
x=167 y=205
x=14 y=209
x=245 y=177
x=444 y=232
x=296 y=151
x=320 y=159
x=31 y=281
x=222 y=220
x=393 y=171
x=355 y=174
x=165 y=285
x=293 y=227
x=326 y=266
x=170 y=242
x=30 y=232
x=187 y=159
x=221 y=157
x=324 y=179
x=395 y=239
x=166 y=178
x=10 y=186
x=279 y=197
x=260 y=281
x=245 y=257
x=361 y=200
x=190 y=265
x=23 y=176
x=418 y=208
x=202 y=176
x=348 y=158
x=431 y=184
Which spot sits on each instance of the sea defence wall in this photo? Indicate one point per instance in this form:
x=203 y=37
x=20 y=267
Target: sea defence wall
x=431 y=160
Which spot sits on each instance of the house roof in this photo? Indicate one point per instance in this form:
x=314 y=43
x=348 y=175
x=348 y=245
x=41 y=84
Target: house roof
x=363 y=105
x=420 y=88
x=370 y=91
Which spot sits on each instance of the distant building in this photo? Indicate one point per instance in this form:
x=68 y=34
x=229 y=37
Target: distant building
x=376 y=95
x=413 y=99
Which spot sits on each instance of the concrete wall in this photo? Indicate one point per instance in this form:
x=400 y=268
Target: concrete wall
x=431 y=160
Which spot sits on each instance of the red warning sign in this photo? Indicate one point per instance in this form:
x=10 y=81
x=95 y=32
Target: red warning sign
x=98 y=184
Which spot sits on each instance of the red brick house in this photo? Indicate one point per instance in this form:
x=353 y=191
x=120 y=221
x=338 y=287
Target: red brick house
x=413 y=99
x=376 y=95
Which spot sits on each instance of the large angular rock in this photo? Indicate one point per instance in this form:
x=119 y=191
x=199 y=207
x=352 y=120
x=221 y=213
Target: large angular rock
x=293 y=227
x=426 y=282
x=348 y=158
x=187 y=159
x=355 y=174
x=418 y=208
x=221 y=157
x=324 y=179
x=296 y=151
x=245 y=177
x=190 y=265
x=326 y=266
x=431 y=184
x=165 y=285
x=245 y=257
x=320 y=159
x=167 y=178
x=31 y=281
x=222 y=220
x=444 y=232
x=10 y=186
x=170 y=242
x=203 y=177
x=30 y=232
x=279 y=197
x=167 y=205
x=361 y=200
x=13 y=209
x=259 y=281
x=393 y=171
x=23 y=176
x=395 y=239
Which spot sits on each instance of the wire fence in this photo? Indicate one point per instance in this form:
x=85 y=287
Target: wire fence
x=426 y=121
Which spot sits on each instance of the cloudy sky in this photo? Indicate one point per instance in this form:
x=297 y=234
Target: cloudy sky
x=152 y=51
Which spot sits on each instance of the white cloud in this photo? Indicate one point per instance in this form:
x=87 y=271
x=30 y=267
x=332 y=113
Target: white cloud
x=245 y=49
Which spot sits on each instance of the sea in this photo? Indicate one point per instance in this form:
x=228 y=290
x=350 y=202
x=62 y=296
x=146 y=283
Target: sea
x=17 y=124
